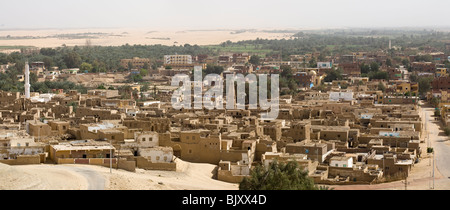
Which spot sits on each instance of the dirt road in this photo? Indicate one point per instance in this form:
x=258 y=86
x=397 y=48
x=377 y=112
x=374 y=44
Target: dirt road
x=49 y=177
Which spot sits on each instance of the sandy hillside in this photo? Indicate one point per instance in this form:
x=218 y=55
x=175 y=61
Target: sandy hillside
x=39 y=177
x=189 y=176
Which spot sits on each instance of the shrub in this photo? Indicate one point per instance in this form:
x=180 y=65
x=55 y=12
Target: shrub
x=278 y=176
x=447 y=131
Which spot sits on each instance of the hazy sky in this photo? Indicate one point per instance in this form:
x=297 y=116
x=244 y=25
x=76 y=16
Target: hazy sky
x=213 y=14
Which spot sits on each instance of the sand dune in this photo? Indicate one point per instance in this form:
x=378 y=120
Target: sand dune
x=189 y=176
x=39 y=177
x=117 y=37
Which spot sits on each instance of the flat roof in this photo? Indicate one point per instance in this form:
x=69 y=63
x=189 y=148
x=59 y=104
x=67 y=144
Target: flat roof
x=378 y=157
x=342 y=158
x=63 y=147
x=404 y=162
x=83 y=145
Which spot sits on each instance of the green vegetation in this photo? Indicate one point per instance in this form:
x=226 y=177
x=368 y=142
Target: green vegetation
x=435 y=102
x=48 y=86
x=288 y=85
x=437 y=113
x=101 y=87
x=278 y=176
x=74 y=105
x=447 y=131
x=86 y=67
x=14 y=47
x=372 y=67
x=230 y=47
x=378 y=75
x=95 y=59
x=255 y=60
x=333 y=74
x=213 y=69
x=372 y=71
x=346 y=41
x=424 y=84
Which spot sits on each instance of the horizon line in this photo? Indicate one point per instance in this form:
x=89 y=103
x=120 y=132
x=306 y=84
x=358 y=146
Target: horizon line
x=231 y=28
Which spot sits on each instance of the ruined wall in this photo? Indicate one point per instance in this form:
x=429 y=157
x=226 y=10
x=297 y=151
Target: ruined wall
x=63 y=154
x=105 y=162
x=401 y=141
x=59 y=127
x=39 y=130
x=227 y=176
x=334 y=135
x=232 y=155
x=390 y=168
x=116 y=136
x=24 y=160
x=300 y=131
x=354 y=175
x=160 y=125
x=127 y=165
x=144 y=163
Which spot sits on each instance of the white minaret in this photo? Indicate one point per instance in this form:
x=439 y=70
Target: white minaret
x=27 y=80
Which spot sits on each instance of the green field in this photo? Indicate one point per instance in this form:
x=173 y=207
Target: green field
x=13 y=47
x=246 y=48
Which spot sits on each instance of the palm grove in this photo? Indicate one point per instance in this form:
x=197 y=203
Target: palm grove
x=94 y=59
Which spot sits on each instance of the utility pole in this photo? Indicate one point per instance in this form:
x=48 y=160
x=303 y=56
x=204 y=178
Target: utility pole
x=317 y=153
x=406 y=183
x=433 y=169
x=118 y=157
x=110 y=157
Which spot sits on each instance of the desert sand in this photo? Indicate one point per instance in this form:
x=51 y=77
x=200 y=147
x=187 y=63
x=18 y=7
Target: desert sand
x=120 y=36
x=189 y=176
x=39 y=177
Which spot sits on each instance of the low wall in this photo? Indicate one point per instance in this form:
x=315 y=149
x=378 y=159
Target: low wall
x=227 y=176
x=88 y=161
x=24 y=160
x=330 y=182
x=356 y=176
x=127 y=165
x=143 y=163
x=106 y=162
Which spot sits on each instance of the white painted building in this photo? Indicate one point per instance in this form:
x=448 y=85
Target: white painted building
x=177 y=59
x=96 y=127
x=324 y=65
x=344 y=162
x=146 y=139
x=13 y=145
x=27 y=81
x=157 y=154
x=132 y=112
x=389 y=133
x=336 y=96
x=43 y=98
